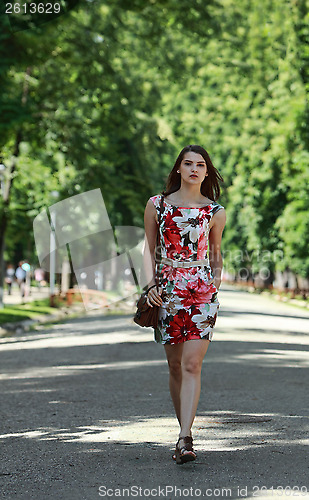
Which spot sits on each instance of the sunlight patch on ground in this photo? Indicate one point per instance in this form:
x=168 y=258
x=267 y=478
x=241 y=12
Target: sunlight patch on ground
x=210 y=432
x=234 y=320
x=283 y=358
x=59 y=371
x=77 y=339
x=230 y=335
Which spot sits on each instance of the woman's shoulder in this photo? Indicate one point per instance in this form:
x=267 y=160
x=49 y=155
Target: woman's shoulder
x=215 y=207
x=156 y=200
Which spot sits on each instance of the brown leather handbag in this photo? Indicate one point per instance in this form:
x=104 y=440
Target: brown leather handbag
x=145 y=314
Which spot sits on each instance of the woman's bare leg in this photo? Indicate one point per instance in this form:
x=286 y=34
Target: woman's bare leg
x=185 y=365
x=192 y=359
x=174 y=355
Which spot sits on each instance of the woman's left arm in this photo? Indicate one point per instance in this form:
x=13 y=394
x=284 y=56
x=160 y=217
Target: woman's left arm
x=215 y=236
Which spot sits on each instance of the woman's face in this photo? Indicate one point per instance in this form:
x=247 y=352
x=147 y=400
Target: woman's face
x=193 y=168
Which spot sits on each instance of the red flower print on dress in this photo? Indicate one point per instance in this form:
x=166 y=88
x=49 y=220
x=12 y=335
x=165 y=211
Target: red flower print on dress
x=181 y=326
x=194 y=292
x=202 y=247
x=172 y=236
x=168 y=273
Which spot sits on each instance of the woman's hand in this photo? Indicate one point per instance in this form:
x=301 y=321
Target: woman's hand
x=153 y=297
x=215 y=281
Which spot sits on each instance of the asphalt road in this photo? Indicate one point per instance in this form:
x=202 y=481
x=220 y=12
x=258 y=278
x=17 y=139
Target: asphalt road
x=86 y=411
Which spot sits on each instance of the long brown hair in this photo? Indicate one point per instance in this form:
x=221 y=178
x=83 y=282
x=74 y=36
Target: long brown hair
x=210 y=186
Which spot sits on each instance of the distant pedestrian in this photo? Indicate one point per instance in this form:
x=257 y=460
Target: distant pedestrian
x=39 y=275
x=9 y=277
x=21 y=274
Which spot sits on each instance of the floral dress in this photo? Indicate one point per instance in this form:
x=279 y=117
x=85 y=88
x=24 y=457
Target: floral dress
x=190 y=305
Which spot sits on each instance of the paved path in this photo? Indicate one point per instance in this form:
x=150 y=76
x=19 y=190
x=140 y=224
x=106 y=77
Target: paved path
x=85 y=405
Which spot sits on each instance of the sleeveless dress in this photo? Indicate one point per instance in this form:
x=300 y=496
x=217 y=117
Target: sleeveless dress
x=190 y=305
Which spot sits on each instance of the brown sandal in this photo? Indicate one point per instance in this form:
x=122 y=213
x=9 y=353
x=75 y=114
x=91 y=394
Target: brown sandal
x=186 y=452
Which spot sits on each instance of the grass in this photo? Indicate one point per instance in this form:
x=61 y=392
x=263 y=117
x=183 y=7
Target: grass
x=29 y=310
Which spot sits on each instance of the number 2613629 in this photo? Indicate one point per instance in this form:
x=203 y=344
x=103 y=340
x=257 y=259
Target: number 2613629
x=32 y=8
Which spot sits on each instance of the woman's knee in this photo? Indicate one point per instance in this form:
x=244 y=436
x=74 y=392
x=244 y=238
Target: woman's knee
x=192 y=366
x=174 y=367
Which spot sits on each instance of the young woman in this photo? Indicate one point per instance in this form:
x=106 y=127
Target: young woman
x=192 y=223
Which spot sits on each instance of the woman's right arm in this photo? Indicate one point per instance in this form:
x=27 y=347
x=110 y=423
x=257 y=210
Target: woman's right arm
x=151 y=230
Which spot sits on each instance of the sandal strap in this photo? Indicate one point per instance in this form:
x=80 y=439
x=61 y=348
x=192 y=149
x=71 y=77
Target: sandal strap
x=188 y=443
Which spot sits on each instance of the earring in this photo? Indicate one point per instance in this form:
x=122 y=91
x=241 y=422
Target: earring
x=178 y=171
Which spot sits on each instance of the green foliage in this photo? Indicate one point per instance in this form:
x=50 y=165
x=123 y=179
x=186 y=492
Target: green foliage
x=32 y=310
